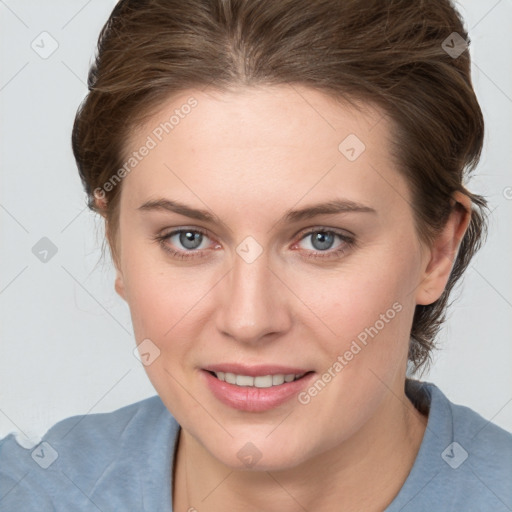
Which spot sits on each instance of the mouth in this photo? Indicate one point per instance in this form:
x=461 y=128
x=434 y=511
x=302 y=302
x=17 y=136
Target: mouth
x=260 y=381
x=267 y=388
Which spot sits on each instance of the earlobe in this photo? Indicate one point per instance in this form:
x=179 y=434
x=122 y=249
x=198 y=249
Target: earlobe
x=443 y=252
x=119 y=281
x=100 y=202
x=119 y=285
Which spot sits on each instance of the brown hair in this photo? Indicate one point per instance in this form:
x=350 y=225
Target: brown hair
x=383 y=52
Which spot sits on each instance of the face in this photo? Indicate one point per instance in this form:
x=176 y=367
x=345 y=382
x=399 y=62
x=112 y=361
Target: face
x=252 y=287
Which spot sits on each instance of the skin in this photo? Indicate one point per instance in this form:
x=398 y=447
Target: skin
x=248 y=156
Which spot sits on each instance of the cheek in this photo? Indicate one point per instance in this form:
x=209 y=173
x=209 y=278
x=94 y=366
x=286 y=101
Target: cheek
x=165 y=305
x=162 y=301
x=360 y=300
x=169 y=305
x=168 y=301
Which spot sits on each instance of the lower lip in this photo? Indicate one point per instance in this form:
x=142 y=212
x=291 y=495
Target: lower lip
x=253 y=399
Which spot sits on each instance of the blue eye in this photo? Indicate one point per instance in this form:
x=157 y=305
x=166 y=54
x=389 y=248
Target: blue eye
x=191 y=240
x=323 y=239
x=188 y=238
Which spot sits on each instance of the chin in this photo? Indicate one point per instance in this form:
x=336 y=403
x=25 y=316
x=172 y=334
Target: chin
x=259 y=455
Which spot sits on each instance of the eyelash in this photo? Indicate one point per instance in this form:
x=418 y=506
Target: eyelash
x=348 y=242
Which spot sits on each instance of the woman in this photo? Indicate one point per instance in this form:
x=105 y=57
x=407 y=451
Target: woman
x=282 y=186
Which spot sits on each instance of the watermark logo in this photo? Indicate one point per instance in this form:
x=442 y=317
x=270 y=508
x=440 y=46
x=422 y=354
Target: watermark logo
x=45 y=45
x=454 y=45
x=249 y=454
x=351 y=147
x=146 y=352
x=44 y=454
x=44 y=250
x=454 y=455
x=249 y=249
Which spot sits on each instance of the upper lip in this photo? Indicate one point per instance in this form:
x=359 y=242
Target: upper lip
x=256 y=370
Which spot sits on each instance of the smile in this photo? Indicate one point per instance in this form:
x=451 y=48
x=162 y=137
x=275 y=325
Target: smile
x=255 y=393
x=263 y=381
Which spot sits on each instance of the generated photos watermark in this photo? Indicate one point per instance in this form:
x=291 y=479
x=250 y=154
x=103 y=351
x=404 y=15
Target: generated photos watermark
x=152 y=141
x=304 y=397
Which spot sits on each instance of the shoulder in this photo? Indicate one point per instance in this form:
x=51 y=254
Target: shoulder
x=488 y=446
x=81 y=456
x=478 y=459
x=464 y=461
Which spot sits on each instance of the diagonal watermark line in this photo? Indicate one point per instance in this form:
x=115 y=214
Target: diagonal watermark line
x=96 y=300
x=88 y=497
x=484 y=16
x=491 y=285
x=412 y=205
x=382 y=116
x=485 y=485
x=13 y=218
x=420 y=490
x=14 y=486
x=405 y=402
x=13 y=13
x=104 y=395
x=15 y=75
x=13 y=279
x=279 y=424
x=198 y=402
x=490 y=420
x=334 y=334
x=207 y=207
x=217 y=486
x=493 y=82
x=307 y=192
x=203 y=90
x=286 y=490
x=198 y=301
x=312 y=107
x=19 y=429
x=76 y=14
x=78 y=76
x=73 y=220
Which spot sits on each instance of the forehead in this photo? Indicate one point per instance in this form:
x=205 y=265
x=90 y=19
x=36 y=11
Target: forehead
x=267 y=144
x=260 y=117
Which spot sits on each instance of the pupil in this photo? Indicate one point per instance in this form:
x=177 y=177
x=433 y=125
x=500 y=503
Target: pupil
x=325 y=240
x=190 y=240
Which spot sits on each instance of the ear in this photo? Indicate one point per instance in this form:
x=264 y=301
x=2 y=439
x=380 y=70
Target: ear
x=101 y=205
x=442 y=254
x=100 y=201
x=119 y=281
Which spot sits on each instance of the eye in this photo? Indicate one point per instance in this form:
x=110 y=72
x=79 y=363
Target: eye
x=190 y=243
x=321 y=240
x=187 y=238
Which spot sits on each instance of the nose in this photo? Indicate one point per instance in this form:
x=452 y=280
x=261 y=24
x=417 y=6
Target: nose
x=253 y=303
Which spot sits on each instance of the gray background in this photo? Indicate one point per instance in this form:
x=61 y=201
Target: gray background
x=66 y=339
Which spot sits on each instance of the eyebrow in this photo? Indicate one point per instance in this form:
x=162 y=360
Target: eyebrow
x=327 y=208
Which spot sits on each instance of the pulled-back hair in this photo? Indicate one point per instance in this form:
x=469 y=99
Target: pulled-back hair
x=394 y=54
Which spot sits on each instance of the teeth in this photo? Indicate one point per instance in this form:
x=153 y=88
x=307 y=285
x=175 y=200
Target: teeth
x=265 y=381
x=277 y=379
x=244 y=380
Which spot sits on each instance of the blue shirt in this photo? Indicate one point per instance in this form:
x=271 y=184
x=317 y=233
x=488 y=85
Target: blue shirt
x=122 y=461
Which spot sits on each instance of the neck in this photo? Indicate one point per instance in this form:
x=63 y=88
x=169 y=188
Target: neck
x=365 y=472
